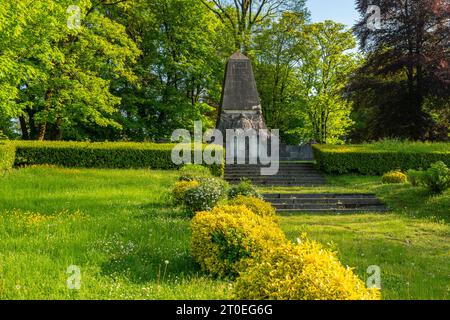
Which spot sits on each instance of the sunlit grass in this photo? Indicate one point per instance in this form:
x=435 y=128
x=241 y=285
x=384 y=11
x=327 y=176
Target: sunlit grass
x=120 y=228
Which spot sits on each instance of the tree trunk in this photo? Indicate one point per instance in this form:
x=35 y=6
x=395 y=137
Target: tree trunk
x=41 y=131
x=24 y=128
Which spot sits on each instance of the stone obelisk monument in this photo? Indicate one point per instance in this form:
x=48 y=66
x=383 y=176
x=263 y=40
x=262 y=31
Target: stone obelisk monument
x=240 y=106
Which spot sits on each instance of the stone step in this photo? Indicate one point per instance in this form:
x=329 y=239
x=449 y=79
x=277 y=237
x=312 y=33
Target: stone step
x=316 y=195
x=287 y=166
x=331 y=202
x=279 y=176
x=337 y=211
x=340 y=201
x=307 y=207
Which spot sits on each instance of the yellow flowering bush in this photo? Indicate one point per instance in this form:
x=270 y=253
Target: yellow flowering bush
x=257 y=206
x=224 y=239
x=180 y=188
x=304 y=271
x=394 y=177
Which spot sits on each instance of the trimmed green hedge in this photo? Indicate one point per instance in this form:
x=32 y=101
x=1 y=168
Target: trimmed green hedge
x=379 y=158
x=109 y=155
x=7 y=156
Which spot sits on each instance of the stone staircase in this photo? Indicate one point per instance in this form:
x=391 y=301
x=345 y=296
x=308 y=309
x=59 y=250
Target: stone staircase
x=325 y=203
x=290 y=174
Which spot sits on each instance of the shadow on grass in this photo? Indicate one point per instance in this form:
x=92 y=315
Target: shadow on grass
x=416 y=201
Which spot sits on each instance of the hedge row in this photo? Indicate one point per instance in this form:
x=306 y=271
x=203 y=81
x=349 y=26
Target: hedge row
x=109 y=155
x=370 y=160
x=7 y=156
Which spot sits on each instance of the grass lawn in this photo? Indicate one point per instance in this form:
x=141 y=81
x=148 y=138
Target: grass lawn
x=118 y=226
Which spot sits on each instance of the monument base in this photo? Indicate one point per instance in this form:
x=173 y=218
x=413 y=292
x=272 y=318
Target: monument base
x=242 y=120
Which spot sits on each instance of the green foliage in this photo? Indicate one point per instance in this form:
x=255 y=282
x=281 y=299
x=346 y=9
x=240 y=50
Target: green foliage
x=190 y=172
x=415 y=177
x=3 y=136
x=206 y=195
x=7 y=156
x=123 y=155
x=323 y=76
x=302 y=72
x=180 y=189
x=437 y=177
x=378 y=158
x=224 y=239
x=393 y=177
x=305 y=271
x=180 y=72
x=244 y=188
x=63 y=78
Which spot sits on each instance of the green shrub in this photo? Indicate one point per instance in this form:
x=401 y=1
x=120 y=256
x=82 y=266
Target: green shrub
x=378 y=158
x=191 y=172
x=206 y=195
x=437 y=178
x=393 y=177
x=224 y=239
x=304 y=271
x=3 y=137
x=415 y=177
x=7 y=156
x=110 y=155
x=244 y=188
x=180 y=189
x=256 y=205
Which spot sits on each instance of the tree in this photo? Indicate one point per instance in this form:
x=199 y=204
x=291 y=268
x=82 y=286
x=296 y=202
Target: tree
x=325 y=67
x=180 y=72
x=64 y=74
x=242 y=16
x=279 y=50
x=407 y=62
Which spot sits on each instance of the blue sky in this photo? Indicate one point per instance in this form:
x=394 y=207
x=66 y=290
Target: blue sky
x=337 y=10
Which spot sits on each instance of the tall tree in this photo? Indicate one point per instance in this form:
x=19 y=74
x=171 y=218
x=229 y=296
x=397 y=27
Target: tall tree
x=323 y=73
x=180 y=70
x=408 y=60
x=278 y=50
x=242 y=16
x=65 y=69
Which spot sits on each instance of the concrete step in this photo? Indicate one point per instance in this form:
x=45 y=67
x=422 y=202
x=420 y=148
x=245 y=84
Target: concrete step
x=334 y=202
x=276 y=177
x=336 y=211
x=316 y=195
x=284 y=183
x=306 y=207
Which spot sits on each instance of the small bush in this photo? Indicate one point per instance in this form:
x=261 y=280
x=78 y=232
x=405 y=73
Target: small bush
x=415 y=177
x=244 y=188
x=180 y=189
x=304 y=271
x=206 y=195
x=393 y=177
x=192 y=172
x=437 y=178
x=224 y=239
x=7 y=156
x=3 y=137
x=256 y=205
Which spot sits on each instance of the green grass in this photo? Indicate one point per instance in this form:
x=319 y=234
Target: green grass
x=119 y=227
